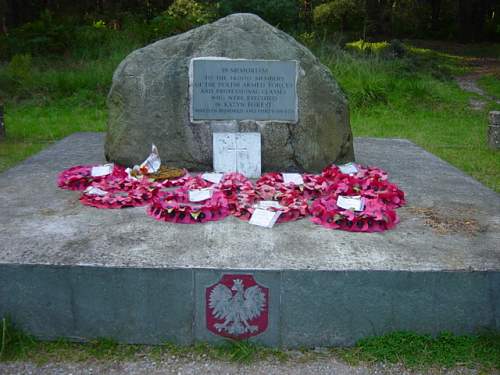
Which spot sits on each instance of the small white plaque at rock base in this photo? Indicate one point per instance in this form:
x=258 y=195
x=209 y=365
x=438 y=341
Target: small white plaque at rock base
x=237 y=152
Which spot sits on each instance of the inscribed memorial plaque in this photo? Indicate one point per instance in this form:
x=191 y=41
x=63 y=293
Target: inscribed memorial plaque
x=225 y=89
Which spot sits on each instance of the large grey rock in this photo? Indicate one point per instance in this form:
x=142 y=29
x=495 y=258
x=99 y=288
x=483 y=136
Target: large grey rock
x=149 y=101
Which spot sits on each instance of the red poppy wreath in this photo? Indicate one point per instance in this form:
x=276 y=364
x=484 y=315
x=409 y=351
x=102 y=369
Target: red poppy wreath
x=119 y=193
x=175 y=207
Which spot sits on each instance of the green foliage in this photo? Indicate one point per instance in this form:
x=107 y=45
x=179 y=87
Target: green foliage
x=181 y=16
x=46 y=35
x=20 y=68
x=394 y=49
x=339 y=15
x=309 y=39
x=365 y=47
x=281 y=13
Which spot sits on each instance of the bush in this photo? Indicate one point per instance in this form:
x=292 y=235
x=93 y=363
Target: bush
x=181 y=16
x=394 y=49
x=339 y=15
x=281 y=13
x=19 y=68
x=41 y=37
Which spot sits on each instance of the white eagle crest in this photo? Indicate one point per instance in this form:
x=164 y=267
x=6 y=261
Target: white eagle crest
x=238 y=309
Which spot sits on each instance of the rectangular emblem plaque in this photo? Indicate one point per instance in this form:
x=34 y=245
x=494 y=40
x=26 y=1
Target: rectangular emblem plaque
x=225 y=89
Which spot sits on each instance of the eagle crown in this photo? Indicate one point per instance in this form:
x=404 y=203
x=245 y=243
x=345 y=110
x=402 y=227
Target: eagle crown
x=237 y=285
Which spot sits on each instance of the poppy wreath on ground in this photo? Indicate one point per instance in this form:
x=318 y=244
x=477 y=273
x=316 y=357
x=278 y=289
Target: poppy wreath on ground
x=175 y=207
x=232 y=185
x=369 y=182
x=79 y=177
x=387 y=192
x=333 y=172
x=271 y=186
x=375 y=217
x=196 y=182
x=314 y=185
x=120 y=193
x=370 y=188
x=235 y=194
x=293 y=205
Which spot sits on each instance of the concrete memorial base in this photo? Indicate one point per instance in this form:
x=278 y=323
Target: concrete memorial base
x=77 y=272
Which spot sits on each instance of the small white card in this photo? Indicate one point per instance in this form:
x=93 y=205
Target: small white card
x=153 y=162
x=101 y=170
x=264 y=218
x=212 y=177
x=350 y=203
x=296 y=178
x=92 y=190
x=198 y=195
x=267 y=204
x=349 y=168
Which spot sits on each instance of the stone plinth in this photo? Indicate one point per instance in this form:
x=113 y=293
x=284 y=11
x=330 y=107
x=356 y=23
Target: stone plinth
x=72 y=271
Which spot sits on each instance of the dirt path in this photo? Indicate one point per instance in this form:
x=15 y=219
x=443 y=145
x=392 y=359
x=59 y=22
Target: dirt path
x=206 y=366
x=468 y=82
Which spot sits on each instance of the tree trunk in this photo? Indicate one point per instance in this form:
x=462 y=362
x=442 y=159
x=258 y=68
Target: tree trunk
x=436 y=13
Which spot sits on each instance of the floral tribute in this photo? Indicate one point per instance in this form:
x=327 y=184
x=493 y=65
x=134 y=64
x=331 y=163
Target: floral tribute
x=119 y=193
x=289 y=198
x=175 y=207
x=80 y=177
x=318 y=197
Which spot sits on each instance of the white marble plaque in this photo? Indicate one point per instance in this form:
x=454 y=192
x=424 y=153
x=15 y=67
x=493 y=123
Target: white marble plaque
x=241 y=89
x=237 y=152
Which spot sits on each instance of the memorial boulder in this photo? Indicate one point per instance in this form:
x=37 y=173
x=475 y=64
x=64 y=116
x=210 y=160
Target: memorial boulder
x=238 y=74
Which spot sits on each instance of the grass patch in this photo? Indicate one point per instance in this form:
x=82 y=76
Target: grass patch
x=408 y=98
x=424 y=351
x=480 y=351
x=33 y=125
x=491 y=85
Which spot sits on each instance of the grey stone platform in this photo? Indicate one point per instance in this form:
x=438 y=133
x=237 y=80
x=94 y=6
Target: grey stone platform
x=72 y=271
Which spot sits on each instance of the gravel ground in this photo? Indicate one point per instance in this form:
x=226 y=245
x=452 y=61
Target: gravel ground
x=173 y=365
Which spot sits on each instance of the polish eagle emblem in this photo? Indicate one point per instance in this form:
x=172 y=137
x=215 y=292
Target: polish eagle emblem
x=236 y=308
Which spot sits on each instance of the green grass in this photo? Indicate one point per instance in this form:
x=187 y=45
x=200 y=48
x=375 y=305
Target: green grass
x=416 y=98
x=491 y=85
x=424 y=351
x=32 y=126
x=414 y=351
